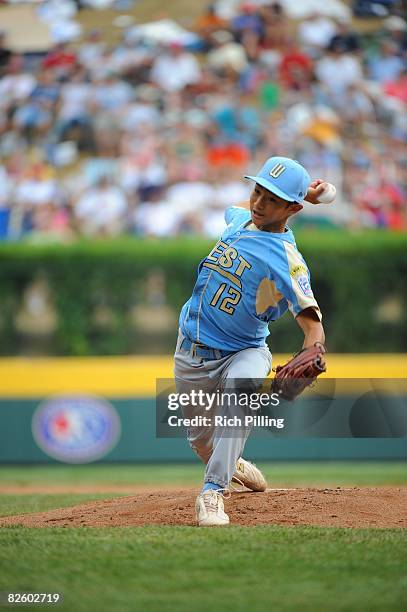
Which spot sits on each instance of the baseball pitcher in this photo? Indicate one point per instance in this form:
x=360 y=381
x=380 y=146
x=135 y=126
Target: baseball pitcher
x=251 y=277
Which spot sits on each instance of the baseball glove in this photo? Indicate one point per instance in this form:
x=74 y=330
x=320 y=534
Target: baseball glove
x=300 y=372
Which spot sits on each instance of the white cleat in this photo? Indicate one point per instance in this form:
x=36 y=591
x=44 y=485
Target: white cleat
x=248 y=475
x=209 y=509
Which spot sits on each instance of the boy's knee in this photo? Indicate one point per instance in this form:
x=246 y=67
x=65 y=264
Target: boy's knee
x=241 y=384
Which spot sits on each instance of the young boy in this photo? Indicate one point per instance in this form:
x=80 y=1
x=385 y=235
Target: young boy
x=250 y=278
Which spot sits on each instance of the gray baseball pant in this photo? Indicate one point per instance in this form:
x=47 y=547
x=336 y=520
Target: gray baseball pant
x=218 y=447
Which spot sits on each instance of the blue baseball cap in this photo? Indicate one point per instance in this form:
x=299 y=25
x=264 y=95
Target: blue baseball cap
x=284 y=177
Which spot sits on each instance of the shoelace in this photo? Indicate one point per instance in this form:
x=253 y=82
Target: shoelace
x=232 y=486
x=212 y=500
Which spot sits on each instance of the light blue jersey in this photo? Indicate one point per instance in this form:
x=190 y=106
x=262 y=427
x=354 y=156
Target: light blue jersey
x=249 y=279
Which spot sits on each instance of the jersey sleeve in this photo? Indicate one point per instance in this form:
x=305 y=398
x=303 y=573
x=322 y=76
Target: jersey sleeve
x=236 y=213
x=294 y=282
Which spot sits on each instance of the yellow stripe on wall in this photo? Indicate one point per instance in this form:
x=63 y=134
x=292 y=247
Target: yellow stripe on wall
x=136 y=376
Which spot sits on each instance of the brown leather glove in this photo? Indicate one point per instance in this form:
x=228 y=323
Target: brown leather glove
x=300 y=372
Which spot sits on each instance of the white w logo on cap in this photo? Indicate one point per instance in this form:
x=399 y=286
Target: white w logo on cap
x=277 y=170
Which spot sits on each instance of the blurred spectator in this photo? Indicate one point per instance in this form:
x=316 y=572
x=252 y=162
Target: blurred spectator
x=175 y=68
x=316 y=31
x=387 y=65
x=109 y=92
x=187 y=196
x=75 y=107
x=34 y=116
x=141 y=111
x=247 y=28
x=247 y=21
x=295 y=67
x=154 y=216
x=50 y=224
x=208 y=23
x=345 y=39
x=37 y=187
x=274 y=26
x=16 y=84
x=131 y=61
x=92 y=49
x=337 y=70
x=227 y=56
x=101 y=210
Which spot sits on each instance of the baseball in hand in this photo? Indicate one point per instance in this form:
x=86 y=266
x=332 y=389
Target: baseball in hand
x=328 y=194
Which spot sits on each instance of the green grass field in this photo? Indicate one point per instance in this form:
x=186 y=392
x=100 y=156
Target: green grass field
x=185 y=568
x=22 y=504
x=278 y=474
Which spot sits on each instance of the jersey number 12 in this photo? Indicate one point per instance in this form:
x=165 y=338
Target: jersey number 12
x=229 y=302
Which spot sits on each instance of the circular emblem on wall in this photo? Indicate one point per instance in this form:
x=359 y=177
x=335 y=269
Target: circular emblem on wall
x=76 y=428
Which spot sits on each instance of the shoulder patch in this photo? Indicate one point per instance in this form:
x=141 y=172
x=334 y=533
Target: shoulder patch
x=304 y=285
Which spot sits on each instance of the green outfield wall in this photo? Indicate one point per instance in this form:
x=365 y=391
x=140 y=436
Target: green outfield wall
x=138 y=442
x=123 y=297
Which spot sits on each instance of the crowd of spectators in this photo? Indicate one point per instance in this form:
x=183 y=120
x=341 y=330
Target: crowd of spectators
x=153 y=139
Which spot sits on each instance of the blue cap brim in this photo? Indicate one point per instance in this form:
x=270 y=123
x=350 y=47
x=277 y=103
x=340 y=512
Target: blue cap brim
x=270 y=187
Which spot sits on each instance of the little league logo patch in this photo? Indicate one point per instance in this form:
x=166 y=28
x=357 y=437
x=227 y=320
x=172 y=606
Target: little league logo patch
x=305 y=285
x=76 y=428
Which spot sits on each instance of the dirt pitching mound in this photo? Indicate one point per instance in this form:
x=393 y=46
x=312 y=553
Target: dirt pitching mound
x=341 y=507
